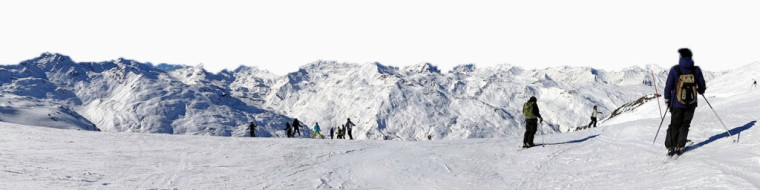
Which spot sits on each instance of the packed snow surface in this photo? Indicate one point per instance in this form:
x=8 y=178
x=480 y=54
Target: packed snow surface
x=617 y=155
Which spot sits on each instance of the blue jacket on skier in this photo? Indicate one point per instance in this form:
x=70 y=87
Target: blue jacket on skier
x=316 y=131
x=686 y=65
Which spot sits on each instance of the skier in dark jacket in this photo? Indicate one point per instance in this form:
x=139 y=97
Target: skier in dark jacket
x=252 y=128
x=342 y=132
x=593 y=117
x=350 y=125
x=289 y=129
x=296 y=126
x=532 y=115
x=332 y=131
x=681 y=107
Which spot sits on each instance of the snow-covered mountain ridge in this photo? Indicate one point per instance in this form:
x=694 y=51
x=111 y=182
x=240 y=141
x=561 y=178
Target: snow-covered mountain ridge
x=385 y=102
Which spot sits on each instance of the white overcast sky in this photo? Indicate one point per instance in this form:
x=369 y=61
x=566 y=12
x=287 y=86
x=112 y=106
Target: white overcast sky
x=283 y=35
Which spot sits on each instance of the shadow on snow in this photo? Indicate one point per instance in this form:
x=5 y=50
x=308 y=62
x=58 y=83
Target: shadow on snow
x=735 y=131
x=573 y=141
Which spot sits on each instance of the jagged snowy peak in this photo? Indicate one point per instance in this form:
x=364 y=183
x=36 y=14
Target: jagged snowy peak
x=422 y=68
x=190 y=75
x=463 y=68
x=169 y=67
x=252 y=85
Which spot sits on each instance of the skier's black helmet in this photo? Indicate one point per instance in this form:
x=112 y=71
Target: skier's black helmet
x=685 y=52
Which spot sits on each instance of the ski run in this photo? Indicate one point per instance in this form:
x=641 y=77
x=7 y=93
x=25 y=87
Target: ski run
x=618 y=154
x=198 y=139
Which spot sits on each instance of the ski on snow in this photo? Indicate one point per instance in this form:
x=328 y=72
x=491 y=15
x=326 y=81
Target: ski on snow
x=675 y=156
x=524 y=148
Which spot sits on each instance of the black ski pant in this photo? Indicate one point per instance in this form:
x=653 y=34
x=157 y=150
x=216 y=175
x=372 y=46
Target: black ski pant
x=530 y=132
x=593 y=121
x=350 y=135
x=680 y=121
x=289 y=133
x=297 y=131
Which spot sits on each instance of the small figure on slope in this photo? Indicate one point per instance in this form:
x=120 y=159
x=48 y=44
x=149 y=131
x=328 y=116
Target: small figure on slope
x=289 y=129
x=593 y=117
x=296 y=127
x=316 y=132
x=252 y=128
x=531 y=113
x=350 y=125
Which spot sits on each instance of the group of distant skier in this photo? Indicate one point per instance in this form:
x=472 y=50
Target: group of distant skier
x=295 y=129
x=343 y=130
x=292 y=130
x=683 y=85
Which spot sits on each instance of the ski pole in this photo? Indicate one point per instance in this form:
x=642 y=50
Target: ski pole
x=543 y=143
x=721 y=121
x=658 y=128
x=655 y=95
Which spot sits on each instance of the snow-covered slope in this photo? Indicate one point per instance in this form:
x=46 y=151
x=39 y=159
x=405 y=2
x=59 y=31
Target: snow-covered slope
x=39 y=112
x=385 y=102
x=616 y=155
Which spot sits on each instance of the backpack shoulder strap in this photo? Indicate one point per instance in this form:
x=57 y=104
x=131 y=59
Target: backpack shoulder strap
x=678 y=69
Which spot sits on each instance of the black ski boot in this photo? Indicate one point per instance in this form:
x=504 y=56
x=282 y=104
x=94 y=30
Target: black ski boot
x=671 y=151
x=679 y=151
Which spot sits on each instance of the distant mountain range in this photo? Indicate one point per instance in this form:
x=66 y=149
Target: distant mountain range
x=385 y=102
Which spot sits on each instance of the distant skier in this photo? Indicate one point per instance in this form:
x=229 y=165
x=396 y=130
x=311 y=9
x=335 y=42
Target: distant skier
x=252 y=128
x=593 y=117
x=296 y=126
x=350 y=125
x=332 y=131
x=754 y=84
x=341 y=131
x=430 y=137
x=289 y=129
x=684 y=82
x=316 y=131
x=531 y=112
